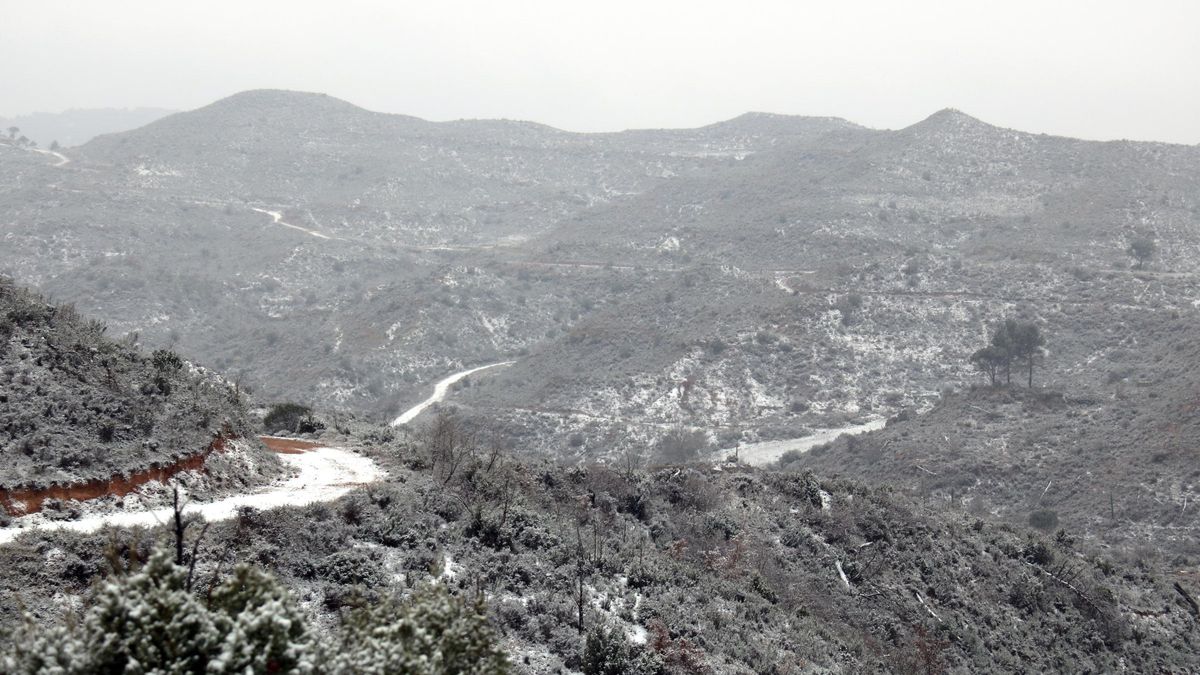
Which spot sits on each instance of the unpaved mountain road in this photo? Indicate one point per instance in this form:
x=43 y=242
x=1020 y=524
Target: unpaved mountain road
x=440 y=390
x=324 y=474
x=63 y=160
x=277 y=216
x=769 y=452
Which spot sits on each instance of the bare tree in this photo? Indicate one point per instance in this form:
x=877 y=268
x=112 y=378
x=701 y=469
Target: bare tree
x=579 y=572
x=449 y=444
x=179 y=526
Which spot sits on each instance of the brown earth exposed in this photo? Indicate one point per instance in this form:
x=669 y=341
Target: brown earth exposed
x=287 y=446
x=23 y=501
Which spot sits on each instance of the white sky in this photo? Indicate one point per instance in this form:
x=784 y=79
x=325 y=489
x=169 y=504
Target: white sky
x=1094 y=69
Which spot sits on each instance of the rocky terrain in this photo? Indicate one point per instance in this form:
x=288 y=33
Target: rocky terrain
x=362 y=254
x=400 y=267
x=656 y=304
x=1118 y=470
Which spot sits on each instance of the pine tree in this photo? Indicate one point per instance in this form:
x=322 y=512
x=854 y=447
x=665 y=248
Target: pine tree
x=149 y=622
x=988 y=360
x=608 y=652
x=264 y=631
x=1012 y=342
x=1028 y=344
x=434 y=633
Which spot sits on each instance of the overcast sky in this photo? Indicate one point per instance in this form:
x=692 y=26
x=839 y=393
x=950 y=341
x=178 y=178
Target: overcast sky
x=1093 y=69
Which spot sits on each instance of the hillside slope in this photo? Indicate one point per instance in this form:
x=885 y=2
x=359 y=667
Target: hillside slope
x=1117 y=465
x=381 y=255
x=80 y=406
x=695 y=569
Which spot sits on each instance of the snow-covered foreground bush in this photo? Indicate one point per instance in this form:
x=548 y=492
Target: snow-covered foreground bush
x=150 y=622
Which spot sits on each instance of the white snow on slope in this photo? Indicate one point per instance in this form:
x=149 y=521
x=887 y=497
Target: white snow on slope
x=325 y=474
x=439 y=392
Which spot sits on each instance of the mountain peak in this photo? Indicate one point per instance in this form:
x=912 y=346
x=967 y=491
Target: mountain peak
x=282 y=98
x=764 y=122
x=951 y=119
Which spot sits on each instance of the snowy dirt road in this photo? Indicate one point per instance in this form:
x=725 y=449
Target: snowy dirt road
x=439 y=392
x=324 y=475
x=278 y=218
x=63 y=160
x=768 y=452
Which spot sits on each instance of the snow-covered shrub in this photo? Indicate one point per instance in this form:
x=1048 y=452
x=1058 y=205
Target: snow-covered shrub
x=433 y=633
x=149 y=622
x=608 y=652
x=289 y=417
x=263 y=629
x=35 y=649
x=352 y=567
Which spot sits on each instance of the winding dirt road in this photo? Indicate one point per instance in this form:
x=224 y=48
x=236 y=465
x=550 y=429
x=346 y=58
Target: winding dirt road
x=278 y=218
x=324 y=475
x=769 y=452
x=439 y=392
x=63 y=160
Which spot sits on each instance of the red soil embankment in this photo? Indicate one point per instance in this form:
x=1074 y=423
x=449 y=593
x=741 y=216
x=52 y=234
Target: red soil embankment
x=288 y=446
x=23 y=501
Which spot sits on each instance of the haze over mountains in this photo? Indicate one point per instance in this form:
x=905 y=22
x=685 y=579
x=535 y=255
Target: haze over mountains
x=80 y=125
x=749 y=279
x=649 y=298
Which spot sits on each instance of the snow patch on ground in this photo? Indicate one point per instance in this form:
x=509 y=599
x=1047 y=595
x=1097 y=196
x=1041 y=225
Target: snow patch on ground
x=144 y=170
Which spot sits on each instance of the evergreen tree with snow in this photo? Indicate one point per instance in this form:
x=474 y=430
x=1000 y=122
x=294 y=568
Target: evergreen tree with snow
x=433 y=633
x=608 y=652
x=264 y=631
x=149 y=622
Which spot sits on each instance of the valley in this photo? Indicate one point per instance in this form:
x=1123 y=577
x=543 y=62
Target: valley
x=717 y=392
